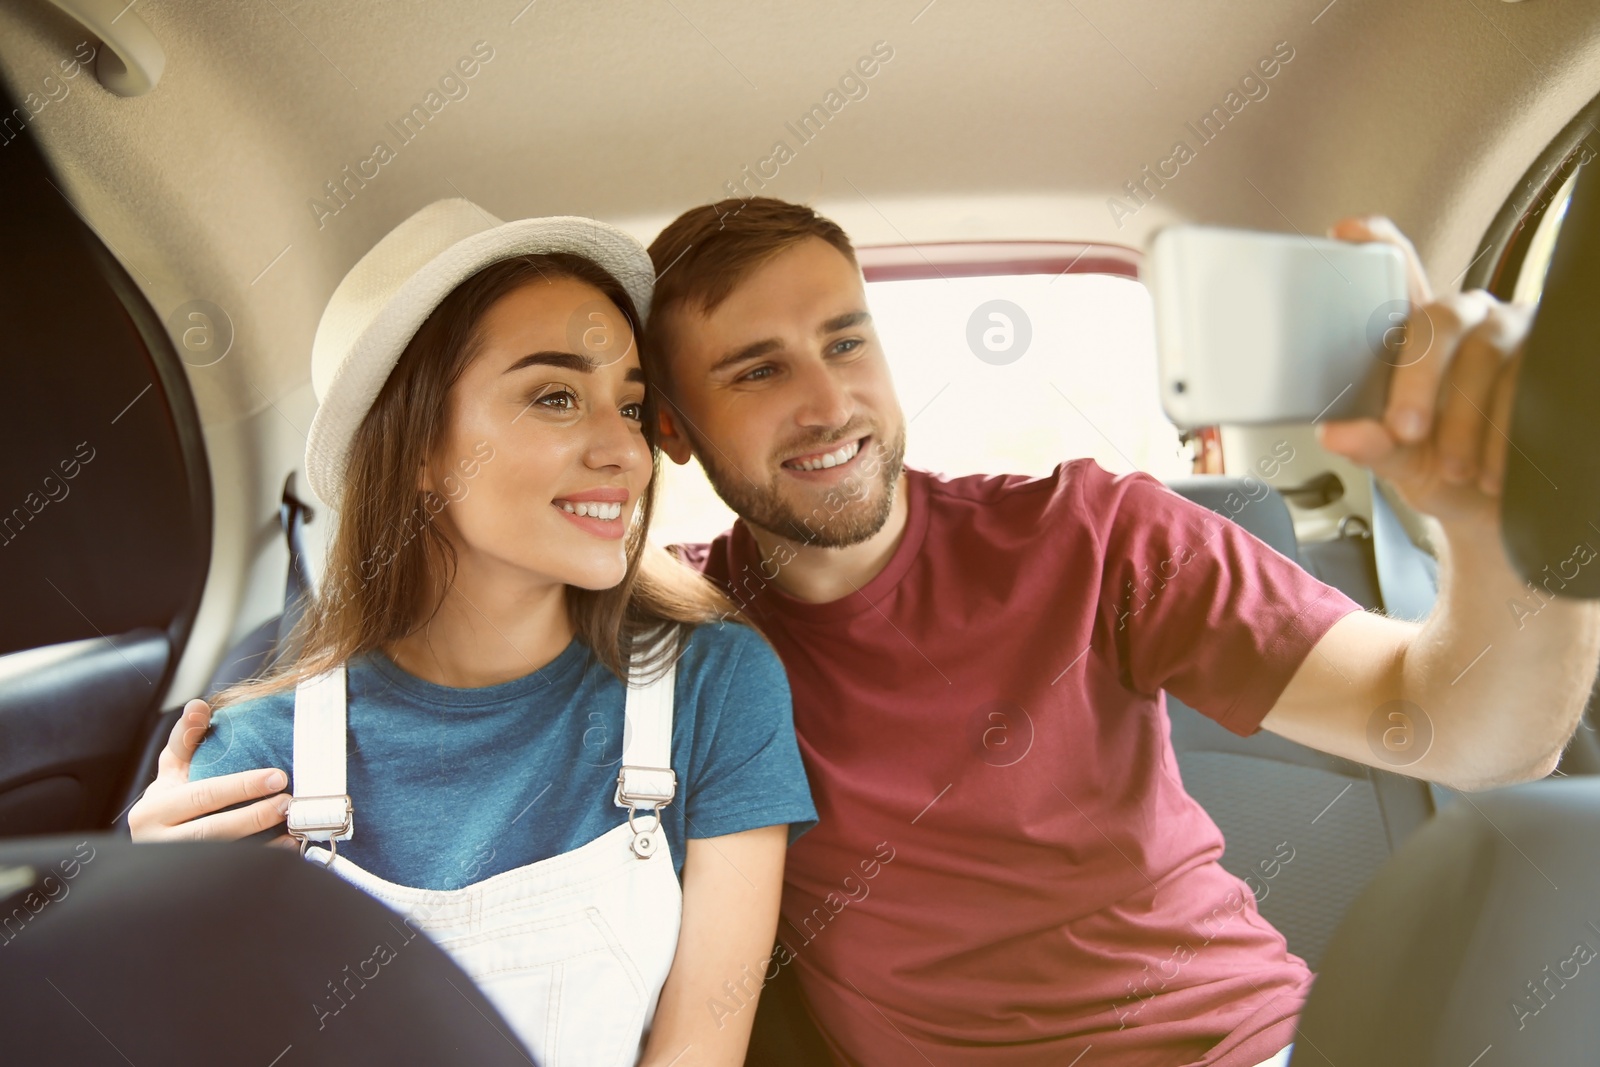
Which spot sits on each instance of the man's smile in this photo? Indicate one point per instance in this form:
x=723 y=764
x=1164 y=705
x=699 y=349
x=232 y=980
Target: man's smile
x=811 y=462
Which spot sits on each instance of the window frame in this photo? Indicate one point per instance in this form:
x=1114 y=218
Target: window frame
x=1504 y=247
x=977 y=259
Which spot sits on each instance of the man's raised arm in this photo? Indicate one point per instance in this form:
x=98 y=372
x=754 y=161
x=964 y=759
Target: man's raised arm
x=1488 y=689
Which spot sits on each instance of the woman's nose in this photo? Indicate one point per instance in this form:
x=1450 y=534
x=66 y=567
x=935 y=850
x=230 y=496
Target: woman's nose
x=615 y=442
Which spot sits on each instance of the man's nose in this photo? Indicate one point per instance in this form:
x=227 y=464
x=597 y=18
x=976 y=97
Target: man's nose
x=826 y=402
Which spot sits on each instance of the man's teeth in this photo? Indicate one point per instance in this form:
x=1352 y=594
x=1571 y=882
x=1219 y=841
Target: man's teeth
x=832 y=459
x=594 y=509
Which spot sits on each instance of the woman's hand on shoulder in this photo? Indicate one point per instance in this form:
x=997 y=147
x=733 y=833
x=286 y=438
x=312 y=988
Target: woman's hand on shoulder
x=176 y=809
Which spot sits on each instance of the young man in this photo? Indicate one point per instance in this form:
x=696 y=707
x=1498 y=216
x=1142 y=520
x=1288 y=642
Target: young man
x=957 y=906
x=960 y=904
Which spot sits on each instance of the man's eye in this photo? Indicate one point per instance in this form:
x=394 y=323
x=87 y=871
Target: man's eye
x=757 y=375
x=849 y=344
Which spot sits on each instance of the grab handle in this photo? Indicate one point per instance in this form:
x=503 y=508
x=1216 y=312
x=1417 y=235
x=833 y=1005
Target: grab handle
x=132 y=60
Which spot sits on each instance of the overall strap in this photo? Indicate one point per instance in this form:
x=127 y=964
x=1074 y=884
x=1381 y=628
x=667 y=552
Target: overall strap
x=647 y=781
x=321 y=809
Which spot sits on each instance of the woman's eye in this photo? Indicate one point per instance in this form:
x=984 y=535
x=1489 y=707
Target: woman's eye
x=560 y=400
x=633 y=411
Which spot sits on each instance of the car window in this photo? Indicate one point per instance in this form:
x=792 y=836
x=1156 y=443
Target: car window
x=105 y=512
x=1004 y=373
x=104 y=493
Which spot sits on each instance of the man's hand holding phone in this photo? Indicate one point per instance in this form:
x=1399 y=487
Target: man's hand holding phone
x=176 y=809
x=1444 y=434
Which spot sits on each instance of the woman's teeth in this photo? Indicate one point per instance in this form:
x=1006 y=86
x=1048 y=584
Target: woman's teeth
x=832 y=459
x=593 y=509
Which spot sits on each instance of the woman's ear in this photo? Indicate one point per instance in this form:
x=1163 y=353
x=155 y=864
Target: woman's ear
x=673 y=442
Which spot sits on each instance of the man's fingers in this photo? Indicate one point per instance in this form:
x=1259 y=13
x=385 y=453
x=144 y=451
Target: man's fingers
x=234 y=825
x=1432 y=334
x=1362 y=441
x=1466 y=398
x=186 y=735
x=1368 y=443
x=1492 y=478
x=1363 y=228
x=175 y=804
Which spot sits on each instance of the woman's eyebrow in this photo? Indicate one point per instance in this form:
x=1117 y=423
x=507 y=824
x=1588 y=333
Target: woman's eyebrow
x=569 y=361
x=565 y=360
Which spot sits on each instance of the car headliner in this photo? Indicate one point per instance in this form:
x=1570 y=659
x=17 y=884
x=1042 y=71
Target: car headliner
x=1008 y=119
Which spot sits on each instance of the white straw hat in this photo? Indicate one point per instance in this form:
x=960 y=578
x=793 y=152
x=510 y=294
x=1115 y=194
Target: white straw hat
x=391 y=291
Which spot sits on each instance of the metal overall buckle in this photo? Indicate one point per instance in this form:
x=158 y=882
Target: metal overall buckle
x=301 y=831
x=647 y=789
x=644 y=841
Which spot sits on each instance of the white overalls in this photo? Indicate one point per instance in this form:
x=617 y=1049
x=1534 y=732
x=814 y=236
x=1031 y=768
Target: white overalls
x=573 y=949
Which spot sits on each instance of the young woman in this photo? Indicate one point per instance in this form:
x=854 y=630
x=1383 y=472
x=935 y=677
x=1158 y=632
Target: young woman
x=462 y=741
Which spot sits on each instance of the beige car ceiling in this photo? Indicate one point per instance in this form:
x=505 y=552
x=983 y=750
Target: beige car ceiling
x=995 y=119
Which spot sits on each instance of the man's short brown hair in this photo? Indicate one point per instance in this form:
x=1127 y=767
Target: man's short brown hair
x=704 y=253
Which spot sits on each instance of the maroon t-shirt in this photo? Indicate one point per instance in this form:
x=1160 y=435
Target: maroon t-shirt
x=1007 y=869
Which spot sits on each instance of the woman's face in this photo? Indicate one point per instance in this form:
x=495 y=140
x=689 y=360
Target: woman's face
x=544 y=458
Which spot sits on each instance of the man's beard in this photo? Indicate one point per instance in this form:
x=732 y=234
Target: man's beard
x=847 y=514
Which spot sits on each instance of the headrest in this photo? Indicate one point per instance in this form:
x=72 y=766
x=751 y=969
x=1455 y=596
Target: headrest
x=1483 y=930
x=1250 y=502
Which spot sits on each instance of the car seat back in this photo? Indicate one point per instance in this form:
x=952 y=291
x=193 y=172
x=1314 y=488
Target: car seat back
x=1338 y=821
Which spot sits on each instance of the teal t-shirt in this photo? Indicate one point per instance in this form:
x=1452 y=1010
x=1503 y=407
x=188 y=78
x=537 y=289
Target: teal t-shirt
x=452 y=786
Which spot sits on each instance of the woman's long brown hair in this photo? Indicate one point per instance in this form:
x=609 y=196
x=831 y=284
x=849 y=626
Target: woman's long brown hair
x=390 y=567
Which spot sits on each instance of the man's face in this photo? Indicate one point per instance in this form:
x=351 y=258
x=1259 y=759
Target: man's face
x=783 y=393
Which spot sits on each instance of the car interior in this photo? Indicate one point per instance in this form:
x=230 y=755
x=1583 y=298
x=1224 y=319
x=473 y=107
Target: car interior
x=184 y=185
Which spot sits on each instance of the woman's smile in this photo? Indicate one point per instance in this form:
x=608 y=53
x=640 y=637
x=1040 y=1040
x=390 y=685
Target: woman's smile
x=598 y=512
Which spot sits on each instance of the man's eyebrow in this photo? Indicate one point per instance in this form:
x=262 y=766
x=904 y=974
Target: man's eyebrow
x=845 y=321
x=746 y=354
x=758 y=349
x=568 y=361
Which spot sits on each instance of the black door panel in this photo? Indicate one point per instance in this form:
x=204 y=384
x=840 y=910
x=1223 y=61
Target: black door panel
x=70 y=714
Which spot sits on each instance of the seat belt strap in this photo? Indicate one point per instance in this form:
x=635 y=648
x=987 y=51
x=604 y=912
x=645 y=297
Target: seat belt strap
x=1407 y=576
x=321 y=809
x=293 y=514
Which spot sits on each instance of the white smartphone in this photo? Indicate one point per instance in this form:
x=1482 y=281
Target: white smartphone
x=1267 y=327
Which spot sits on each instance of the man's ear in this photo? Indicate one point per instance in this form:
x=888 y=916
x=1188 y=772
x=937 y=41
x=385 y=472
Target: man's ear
x=673 y=442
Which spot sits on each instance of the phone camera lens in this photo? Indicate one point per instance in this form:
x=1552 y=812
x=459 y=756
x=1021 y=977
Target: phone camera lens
x=1178 y=386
